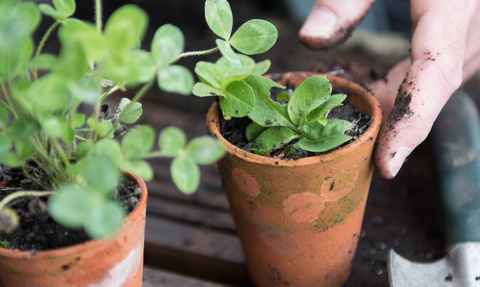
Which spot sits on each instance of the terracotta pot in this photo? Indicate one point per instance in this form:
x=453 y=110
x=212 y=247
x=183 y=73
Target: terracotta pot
x=114 y=262
x=299 y=220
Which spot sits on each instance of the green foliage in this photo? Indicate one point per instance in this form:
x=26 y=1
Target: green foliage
x=85 y=156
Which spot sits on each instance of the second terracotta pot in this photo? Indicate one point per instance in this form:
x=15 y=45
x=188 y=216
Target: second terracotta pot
x=299 y=220
x=111 y=263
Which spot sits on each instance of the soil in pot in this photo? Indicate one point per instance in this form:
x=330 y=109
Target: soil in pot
x=234 y=130
x=38 y=231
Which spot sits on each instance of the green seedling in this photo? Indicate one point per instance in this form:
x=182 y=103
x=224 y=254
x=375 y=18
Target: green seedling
x=81 y=155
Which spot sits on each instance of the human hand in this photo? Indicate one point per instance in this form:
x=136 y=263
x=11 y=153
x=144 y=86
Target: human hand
x=445 y=51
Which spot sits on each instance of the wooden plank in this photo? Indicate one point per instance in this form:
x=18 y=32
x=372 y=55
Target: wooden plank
x=161 y=278
x=172 y=234
x=190 y=213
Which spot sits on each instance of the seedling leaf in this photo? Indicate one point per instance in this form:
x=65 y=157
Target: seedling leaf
x=185 y=174
x=70 y=206
x=171 y=141
x=254 y=37
x=104 y=219
x=205 y=150
x=176 y=79
x=167 y=44
x=228 y=53
x=219 y=17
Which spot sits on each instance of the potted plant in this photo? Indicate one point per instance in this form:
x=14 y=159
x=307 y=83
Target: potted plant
x=84 y=165
x=296 y=175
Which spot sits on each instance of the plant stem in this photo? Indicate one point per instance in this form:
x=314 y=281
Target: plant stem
x=98 y=15
x=195 y=53
x=142 y=91
x=9 y=106
x=108 y=92
x=42 y=43
x=14 y=195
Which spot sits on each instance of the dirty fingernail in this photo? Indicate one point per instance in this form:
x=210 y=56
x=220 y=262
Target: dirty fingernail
x=320 y=23
x=397 y=160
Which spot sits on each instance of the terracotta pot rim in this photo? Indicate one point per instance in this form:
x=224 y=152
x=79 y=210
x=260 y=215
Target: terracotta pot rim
x=87 y=245
x=369 y=134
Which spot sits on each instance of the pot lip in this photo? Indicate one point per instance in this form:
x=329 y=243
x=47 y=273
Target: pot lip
x=369 y=135
x=90 y=244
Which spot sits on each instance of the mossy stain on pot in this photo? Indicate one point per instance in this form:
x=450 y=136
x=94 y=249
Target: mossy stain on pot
x=304 y=207
x=246 y=182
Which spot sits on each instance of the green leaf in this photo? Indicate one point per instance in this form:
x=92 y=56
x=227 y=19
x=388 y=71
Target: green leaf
x=138 y=167
x=11 y=160
x=273 y=138
x=15 y=63
x=219 y=17
x=131 y=112
x=176 y=79
x=185 y=174
x=24 y=149
x=103 y=128
x=15 y=26
x=65 y=7
x=50 y=11
x=254 y=37
x=93 y=44
x=239 y=100
x=205 y=150
x=247 y=66
x=19 y=92
x=104 y=219
x=53 y=126
x=43 y=62
x=210 y=73
x=125 y=27
x=70 y=206
x=254 y=129
x=167 y=44
x=49 y=93
x=203 y=90
x=267 y=112
x=171 y=141
x=87 y=89
x=228 y=53
x=30 y=14
x=72 y=62
x=145 y=66
x=324 y=109
x=5 y=144
x=67 y=134
x=121 y=67
x=310 y=94
x=315 y=131
x=22 y=129
x=78 y=120
x=262 y=67
x=110 y=148
x=4 y=114
x=137 y=142
x=83 y=149
x=100 y=172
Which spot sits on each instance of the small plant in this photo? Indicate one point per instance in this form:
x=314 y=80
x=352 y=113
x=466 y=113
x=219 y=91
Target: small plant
x=80 y=159
x=301 y=117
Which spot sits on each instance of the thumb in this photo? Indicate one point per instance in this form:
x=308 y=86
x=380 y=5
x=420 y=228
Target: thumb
x=331 y=22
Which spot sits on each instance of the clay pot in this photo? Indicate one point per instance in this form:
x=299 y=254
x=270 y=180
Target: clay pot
x=299 y=220
x=117 y=261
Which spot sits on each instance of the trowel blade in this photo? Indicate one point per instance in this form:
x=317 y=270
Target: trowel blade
x=460 y=268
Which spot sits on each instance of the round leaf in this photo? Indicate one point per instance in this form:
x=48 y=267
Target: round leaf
x=176 y=79
x=86 y=35
x=66 y=8
x=254 y=37
x=171 y=141
x=110 y=148
x=210 y=73
x=70 y=206
x=100 y=172
x=219 y=17
x=87 y=89
x=11 y=160
x=104 y=219
x=43 y=62
x=5 y=144
x=205 y=150
x=167 y=44
x=121 y=67
x=185 y=174
x=49 y=93
x=137 y=142
x=131 y=112
x=138 y=167
x=145 y=66
x=125 y=27
x=239 y=99
x=22 y=129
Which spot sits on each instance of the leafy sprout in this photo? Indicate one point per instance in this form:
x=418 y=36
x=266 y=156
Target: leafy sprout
x=39 y=119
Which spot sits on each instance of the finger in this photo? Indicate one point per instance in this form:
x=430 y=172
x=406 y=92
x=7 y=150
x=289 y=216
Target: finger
x=331 y=22
x=438 y=48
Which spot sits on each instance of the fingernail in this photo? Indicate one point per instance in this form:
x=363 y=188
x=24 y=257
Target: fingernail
x=397 y=160
x=320 y=23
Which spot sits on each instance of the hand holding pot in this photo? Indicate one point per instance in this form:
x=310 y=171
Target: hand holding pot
x=445 y=51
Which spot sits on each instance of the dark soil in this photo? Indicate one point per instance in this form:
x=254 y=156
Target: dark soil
x=38 y=231
x=234 y=129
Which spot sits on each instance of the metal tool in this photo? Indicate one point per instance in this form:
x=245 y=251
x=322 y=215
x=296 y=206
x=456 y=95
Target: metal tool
x=456 y=147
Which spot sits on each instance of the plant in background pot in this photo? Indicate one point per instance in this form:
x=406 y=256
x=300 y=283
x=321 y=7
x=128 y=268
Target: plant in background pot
x=298 y=178
x=85 y=165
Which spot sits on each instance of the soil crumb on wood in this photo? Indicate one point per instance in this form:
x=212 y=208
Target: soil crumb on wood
x=37 y=230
